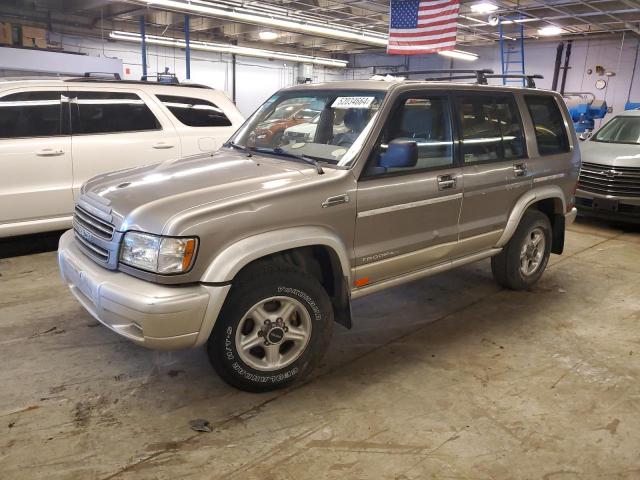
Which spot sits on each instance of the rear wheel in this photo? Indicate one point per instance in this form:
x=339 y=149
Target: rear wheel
x=524 y=258
x=273 y=329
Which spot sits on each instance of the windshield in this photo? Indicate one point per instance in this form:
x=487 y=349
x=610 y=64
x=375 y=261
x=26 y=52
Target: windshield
x=322 y=125
x=620 y=130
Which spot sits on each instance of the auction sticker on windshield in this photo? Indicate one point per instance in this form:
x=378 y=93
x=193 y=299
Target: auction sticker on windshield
x=353 y=102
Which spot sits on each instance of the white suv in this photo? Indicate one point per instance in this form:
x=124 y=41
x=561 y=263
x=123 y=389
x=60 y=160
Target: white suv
x=57 y=133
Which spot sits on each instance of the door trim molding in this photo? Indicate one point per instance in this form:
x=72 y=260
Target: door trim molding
x=425 y=272
x=404 y=206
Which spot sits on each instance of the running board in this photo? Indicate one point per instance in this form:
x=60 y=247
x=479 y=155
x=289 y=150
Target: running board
x=425 y=272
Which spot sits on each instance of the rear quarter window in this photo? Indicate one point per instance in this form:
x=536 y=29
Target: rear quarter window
x=195 y=112
x=548 y=122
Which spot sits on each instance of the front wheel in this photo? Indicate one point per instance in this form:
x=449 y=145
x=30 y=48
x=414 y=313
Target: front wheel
x=524 y=258
x=273 y=329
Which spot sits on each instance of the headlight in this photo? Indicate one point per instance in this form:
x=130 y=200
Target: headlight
x=158 y=254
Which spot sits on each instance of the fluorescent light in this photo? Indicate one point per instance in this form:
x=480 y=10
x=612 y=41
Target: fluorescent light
x=268 y=35
x=519 y=20
x=225 y=48
x=483 y=7
x=276 y=20
x=459 y=54
x=550 y=31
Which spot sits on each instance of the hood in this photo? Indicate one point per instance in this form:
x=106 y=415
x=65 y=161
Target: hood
x=610 y=154
x=145 y=198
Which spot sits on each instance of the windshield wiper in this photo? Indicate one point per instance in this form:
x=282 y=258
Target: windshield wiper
x=237 y=146
x=294 y=156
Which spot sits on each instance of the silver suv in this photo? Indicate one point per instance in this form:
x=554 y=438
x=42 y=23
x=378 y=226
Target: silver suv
x=257 y=249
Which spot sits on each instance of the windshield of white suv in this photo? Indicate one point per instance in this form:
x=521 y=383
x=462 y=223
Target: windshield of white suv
x=620 y=130
x=320 y=125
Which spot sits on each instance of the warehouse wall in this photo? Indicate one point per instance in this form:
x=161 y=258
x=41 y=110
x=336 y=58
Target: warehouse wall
x=257 y=79
x=613 y=54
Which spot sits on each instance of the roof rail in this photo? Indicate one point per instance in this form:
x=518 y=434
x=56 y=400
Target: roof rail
x=134 y=82
x=114 y=75
x=480 y=76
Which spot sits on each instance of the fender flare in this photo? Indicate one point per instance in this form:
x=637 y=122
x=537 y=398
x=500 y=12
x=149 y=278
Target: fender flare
x=524 y=202
x=226 y=265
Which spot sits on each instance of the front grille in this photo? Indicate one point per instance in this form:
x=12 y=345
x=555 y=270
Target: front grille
x=101 y=254
x=605 y=180
x=94 y=224
x=96 y=236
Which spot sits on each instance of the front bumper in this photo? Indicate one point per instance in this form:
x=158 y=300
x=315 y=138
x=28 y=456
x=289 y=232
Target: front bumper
x=151 y=315
x=608 y=207
x=570 y=217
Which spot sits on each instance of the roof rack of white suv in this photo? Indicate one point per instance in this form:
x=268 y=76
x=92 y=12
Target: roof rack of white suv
x=115 y=77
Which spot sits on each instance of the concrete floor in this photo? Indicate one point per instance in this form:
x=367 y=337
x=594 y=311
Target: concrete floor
x=449 y=377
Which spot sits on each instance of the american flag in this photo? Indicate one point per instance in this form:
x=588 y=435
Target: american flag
x=419 y=26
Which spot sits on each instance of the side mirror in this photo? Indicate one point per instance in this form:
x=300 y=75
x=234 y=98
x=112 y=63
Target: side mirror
x=586 y=135
x=400 y=154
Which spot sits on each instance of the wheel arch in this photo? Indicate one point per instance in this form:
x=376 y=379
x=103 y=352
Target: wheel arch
x=551 y=201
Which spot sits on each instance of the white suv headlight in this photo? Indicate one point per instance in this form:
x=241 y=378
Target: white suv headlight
x=158 y=254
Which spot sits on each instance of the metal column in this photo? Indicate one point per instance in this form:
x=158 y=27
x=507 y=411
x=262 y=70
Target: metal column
x=187 y=50
x=233 y=77
x=143 y=36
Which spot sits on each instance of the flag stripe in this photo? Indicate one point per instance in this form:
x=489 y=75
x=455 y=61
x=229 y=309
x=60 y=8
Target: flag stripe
x=445 y=20
x=422 y=26
x=417 y=40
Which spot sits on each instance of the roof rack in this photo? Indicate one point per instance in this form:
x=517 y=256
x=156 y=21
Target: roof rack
x=480 y=76
x=91 y=79
x=102 y=75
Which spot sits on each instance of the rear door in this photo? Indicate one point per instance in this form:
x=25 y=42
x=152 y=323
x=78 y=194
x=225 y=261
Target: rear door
x=115 y=129
x=203 y=125
x=408 y=217
x=35 y=160
x=494 y=158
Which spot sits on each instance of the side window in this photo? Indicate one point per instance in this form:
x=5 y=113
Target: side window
x=30 y=114
x=110 y=112
x=491 y=129
x=549 y=125
x=195 y=112
x=510 y=127
x=426 y=121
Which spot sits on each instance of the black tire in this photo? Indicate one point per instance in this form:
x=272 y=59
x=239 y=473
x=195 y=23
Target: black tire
x=253 y=286
x=506 y=266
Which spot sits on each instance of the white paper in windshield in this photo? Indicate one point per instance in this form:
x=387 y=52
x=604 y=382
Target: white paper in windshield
x=353 y=102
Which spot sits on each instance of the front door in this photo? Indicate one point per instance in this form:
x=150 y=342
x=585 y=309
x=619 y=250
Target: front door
x=35 y=160
x=494 y=162
x=407 y=218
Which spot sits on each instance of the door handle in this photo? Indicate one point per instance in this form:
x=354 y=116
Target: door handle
x=520 y=169
x=446 y=182
x=49 y=152
x=162 y=145
x=335 y=200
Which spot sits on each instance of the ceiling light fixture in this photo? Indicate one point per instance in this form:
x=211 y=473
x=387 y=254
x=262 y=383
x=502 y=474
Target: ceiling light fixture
x=268 y=35
x=550 y=31
x=459 y=54
x=225 y=48
x=275 y=20
x=483 y=7
x=519 y=20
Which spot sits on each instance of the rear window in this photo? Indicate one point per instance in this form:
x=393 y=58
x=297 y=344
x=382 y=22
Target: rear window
x=30 y=114
x=110 y=112
x=549 y=125
x=195 y=112
x=491 y=129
